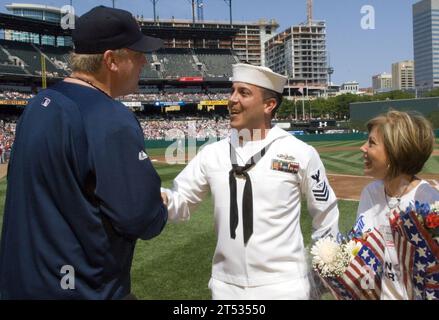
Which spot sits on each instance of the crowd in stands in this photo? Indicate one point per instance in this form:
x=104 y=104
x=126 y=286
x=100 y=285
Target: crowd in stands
x=15 y=95
x=7 y=135
x=50 y=74
x=178 y=129
x=158 y=125
x=179 y=96
x=154 y=128
x=162 y=96
x=61 y=65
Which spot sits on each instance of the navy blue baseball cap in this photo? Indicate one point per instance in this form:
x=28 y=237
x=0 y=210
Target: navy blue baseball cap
x=103 y=28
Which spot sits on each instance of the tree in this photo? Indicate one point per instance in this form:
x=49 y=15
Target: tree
x=433 y=93
x=393 y=95
x=342 y=104
x=434 y=119
x=286 y=109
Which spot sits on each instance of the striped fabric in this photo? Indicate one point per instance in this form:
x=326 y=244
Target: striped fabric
x=418 y=254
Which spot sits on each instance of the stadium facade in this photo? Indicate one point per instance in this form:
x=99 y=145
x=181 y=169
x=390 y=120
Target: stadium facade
x=197 y=58
x=247 y=41
x=186 y=80
x=39 y=12
x=35 y=11
x=189 y=78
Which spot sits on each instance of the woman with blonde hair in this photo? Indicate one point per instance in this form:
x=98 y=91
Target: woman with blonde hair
x=397 y=148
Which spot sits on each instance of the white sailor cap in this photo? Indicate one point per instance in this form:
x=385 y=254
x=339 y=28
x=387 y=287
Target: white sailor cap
x=259 y=76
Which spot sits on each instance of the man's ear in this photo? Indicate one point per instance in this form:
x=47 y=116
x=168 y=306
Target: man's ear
x=110 y=60
x=269 y=105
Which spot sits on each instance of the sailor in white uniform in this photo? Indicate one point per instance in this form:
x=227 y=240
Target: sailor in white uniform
x=257 y=178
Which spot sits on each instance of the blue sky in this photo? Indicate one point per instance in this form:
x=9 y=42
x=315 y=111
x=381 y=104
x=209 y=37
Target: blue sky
x=356 y=54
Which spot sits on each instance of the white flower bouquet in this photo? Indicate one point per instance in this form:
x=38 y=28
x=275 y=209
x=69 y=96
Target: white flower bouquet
x=351 y=267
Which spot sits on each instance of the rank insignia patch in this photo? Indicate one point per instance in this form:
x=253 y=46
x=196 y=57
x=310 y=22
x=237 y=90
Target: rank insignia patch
x=285 y=166
x=316 y=176
x=321 y=191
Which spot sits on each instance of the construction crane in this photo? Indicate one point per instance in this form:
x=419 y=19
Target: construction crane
x=309 y=11
x=199 y=7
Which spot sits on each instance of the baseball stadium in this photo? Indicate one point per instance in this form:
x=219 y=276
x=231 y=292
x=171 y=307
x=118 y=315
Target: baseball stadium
x=183 y=102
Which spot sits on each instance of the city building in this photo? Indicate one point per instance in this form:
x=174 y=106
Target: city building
x=403 y=75
x=299 y=52
x=352 y=87
x=382 y=82
x=426 y=43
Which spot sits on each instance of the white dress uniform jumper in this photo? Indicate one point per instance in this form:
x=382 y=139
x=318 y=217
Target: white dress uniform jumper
x=257 y=191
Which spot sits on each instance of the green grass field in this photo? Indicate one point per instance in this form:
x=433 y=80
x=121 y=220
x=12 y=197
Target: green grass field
x=177 y=264
x=350 y=162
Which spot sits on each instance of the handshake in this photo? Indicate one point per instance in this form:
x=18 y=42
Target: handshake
x=165 y=198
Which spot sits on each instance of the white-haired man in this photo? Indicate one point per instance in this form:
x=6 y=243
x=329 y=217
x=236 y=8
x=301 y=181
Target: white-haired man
x=81 y=189
x=257 y=177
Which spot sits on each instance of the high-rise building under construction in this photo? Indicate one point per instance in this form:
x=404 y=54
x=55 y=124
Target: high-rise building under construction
x=300 y=52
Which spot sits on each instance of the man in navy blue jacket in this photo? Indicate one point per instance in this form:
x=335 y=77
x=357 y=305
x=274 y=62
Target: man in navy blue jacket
x=81 y=189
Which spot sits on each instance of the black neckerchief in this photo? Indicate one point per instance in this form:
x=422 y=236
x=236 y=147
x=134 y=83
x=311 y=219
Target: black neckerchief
x=247 y=200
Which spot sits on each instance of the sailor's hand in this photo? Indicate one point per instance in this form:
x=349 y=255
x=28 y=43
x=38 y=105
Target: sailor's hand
x=165 y=198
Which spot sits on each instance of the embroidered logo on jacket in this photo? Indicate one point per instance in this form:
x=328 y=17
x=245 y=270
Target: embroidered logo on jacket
x=46 y=102
x=142 y=155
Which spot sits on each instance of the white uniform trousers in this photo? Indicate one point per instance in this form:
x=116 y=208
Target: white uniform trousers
x=297 y=289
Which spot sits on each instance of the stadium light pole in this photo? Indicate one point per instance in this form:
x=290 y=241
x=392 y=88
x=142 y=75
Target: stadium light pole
x=295 y=108
x=303 y=106
x=193 y=13
x=307 y=98
x=229 y=3
x=154 y=3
